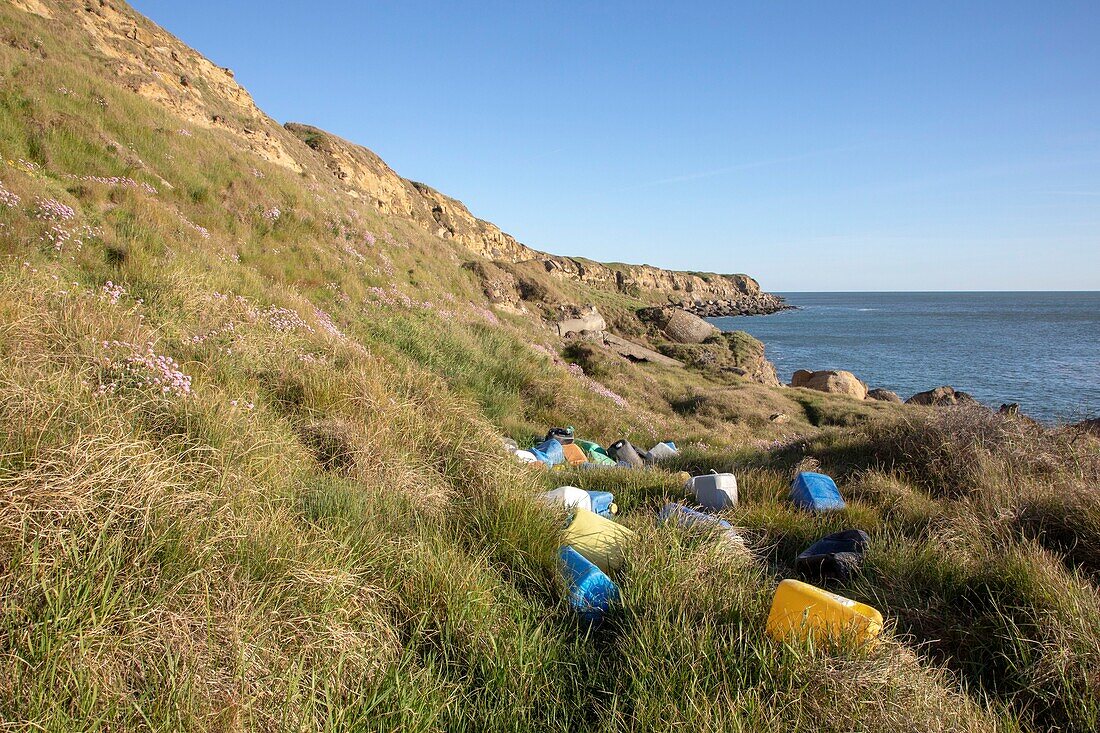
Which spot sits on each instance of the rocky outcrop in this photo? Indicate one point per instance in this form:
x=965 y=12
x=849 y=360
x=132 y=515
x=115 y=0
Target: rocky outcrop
x=636 y=352
x=883 y=395
x=580 y=321
x=498 y=285
x=833 y=381
x=365 y=174
x=756 y=304
x=944 y=396
x=735 y=354
x=678 y=325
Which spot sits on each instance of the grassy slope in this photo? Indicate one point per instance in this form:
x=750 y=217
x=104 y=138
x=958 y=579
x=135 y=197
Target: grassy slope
x=322 y=535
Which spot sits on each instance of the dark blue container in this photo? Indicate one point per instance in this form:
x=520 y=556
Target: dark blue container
x=687 y=517
x=591 y=593
x=549 y=452
x=603 y=502
x=816 y=492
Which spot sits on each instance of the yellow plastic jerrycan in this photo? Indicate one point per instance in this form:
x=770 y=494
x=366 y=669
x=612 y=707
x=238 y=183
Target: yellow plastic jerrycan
x=600 y=540
x=799 y=608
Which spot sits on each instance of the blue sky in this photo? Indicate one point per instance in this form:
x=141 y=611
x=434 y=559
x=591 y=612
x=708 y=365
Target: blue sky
x=816 y=146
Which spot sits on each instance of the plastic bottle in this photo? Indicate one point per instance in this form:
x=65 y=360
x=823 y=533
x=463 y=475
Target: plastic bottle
x=591 y=592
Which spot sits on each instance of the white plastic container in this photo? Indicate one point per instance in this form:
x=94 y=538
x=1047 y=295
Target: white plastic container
x=661 y=451
x=570 y=496
x=714 y=490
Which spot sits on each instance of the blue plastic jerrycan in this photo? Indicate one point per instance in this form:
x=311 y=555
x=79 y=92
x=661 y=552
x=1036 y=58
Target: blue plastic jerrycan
x=591 y=592
x=603 y=503
x=816 y=492
x=549 y=452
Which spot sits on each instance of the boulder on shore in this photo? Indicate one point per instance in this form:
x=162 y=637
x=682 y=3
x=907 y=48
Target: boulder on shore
x=678 y=325
x=833 y=381
x=944 y=396
x=883 y=395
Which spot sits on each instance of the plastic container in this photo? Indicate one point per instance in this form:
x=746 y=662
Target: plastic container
x=599 y=539
x=591 y=592
x=662 y=451
x=595 y=452
x=625 y=454
x=836 y=556
x=562 y=435
x=570 y=496
x=714 y=490
x=574 y=456
x=525 y=456
x=799 y=609
x=549 y=452
x=603 y=503
x=689 y=518
x=816 y=492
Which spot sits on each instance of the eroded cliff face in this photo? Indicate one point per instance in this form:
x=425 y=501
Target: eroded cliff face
x=363 y=173
x=154 y=64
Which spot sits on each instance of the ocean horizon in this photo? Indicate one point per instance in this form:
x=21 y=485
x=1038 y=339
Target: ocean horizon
x=1040 y=349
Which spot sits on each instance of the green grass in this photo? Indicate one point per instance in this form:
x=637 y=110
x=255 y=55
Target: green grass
x=324 y=535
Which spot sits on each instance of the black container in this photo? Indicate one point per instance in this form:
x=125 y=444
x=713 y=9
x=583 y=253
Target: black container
x=837 y=556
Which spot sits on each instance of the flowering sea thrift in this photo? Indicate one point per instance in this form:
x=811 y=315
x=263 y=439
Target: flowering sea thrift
x=120 y=181
x=113 y=293
x=140 y=367
x=8 y=198
x=285 y=320
x=53 y=210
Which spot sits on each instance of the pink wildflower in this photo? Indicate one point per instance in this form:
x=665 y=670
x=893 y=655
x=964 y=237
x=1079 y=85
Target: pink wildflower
x=113 y=293
x=52 y=209
x=140 y=367
x=8 y=198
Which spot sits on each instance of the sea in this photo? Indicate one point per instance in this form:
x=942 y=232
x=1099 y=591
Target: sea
x=1038 y=349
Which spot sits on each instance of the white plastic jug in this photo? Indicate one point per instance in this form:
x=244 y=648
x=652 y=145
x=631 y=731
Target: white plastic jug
x=714 y=490
x=570 y=496
x=525 y=456
x=661 y=451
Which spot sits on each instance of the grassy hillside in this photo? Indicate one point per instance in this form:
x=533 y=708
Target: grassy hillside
x=250 y=475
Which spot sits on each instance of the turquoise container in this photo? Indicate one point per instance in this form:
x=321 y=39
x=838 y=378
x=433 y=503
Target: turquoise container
x=591 y=593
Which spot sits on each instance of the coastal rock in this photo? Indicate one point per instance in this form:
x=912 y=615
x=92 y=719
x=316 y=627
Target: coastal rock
x=580 y=320
x=779 y=418
x=749 y=304
x=945 y=396
x=637 y=352
x=678 y=325
x=883 y=395
x=833 y=381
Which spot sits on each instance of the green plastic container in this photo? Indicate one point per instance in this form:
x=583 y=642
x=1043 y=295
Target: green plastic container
x=595 y=452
